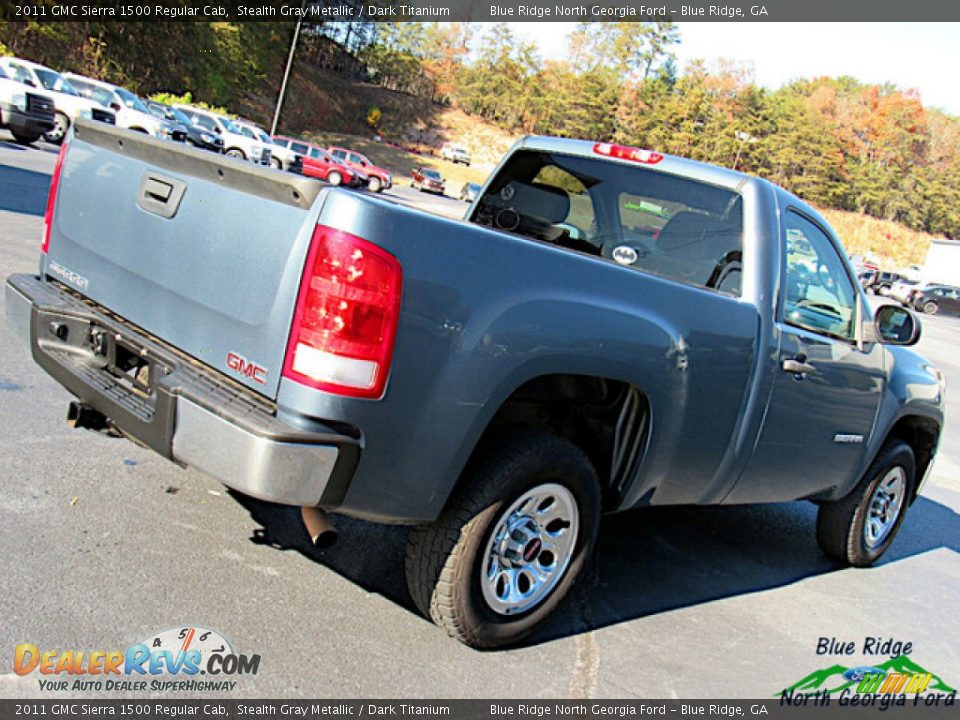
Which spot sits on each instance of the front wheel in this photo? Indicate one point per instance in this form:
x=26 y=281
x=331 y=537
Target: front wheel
x=857 y=529
x=236 y=153
x=375 y=184
x=930 y=308
x=334 y=178
x=276 y=163
x=61 y=123
x=25 y=139
x=511 y=542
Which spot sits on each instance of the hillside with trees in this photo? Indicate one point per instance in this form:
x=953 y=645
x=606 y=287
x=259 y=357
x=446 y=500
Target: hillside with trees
x=838 y=143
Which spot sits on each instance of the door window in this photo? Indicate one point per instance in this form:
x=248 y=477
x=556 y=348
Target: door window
x=819 y=294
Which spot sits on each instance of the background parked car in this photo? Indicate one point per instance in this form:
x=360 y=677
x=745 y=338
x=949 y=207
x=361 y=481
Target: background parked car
x=235 y=143
x=883 y=282
x=318 y=163
x=455 y=154
x=68 y=103
x=902 y=290
x=132 y=113
x=280 y=157
x=425 y=179
x=867 y=278
x=379 y=178
x=196 y=135
x=469 y=192
x=27 y=115
x=936 y=299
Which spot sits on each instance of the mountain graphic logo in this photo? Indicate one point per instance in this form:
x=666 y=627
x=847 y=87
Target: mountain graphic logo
x=836 y=678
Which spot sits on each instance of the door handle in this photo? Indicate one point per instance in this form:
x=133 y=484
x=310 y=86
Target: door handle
x=798 y=367
x=160 y=195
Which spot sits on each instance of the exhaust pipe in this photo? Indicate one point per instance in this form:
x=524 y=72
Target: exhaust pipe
x=321 y=531
x=84 y=416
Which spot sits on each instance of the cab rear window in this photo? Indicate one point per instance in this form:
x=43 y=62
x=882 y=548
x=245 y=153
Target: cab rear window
x=633 y=216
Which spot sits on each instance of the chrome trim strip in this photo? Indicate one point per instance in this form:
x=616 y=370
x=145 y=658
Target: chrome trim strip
x=282 y=472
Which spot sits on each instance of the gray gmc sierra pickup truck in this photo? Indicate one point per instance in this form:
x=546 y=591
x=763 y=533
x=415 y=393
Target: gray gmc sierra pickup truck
x=609 y=328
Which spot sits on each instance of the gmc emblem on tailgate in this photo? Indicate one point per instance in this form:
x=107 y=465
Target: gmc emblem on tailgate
x=240 y=364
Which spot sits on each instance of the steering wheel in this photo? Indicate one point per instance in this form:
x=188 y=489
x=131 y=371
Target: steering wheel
x=730 y=263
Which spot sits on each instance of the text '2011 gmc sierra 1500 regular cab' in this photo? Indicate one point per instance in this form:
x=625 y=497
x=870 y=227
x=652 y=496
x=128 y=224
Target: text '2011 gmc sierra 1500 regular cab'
x=609 y=328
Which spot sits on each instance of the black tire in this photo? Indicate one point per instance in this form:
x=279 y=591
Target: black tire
x=444 y=559
x=276 y=163
x=25 y=139
x=841 y=523
x=375 y=184
x=930 y=308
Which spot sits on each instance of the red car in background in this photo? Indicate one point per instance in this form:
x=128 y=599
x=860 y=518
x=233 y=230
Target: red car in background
x=426 y=179
x=380 y=179
x=318 y=163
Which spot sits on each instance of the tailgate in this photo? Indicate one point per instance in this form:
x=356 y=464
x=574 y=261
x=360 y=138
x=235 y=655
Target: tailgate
x=203 y=251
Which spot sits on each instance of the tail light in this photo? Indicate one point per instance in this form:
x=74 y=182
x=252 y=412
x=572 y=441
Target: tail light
x=52 y=199
x=346 y=317
x=622 y=152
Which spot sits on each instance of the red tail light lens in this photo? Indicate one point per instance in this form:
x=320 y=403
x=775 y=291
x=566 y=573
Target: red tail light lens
x=52 y=199
x=346 y=317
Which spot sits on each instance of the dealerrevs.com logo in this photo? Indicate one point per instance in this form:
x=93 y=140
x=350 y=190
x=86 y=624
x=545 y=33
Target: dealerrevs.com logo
x=187 y=659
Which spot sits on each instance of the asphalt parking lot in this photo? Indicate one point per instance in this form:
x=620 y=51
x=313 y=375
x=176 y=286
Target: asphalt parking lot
x=103 y=543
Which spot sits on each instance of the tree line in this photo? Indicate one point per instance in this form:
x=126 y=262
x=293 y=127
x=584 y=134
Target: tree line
x=836 y=142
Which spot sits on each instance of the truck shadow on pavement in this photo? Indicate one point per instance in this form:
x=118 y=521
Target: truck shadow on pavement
x=648 y=561
x=24 y=191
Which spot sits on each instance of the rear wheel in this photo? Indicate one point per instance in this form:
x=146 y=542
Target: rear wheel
x=857 y=529
x=930 y=307
x=236 y=153
x=511 y=542
x=375 y=185
x=61 y=123
x=334 y=178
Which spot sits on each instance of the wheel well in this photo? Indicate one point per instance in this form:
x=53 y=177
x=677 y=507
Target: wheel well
x=921 y=434
x=607 y=419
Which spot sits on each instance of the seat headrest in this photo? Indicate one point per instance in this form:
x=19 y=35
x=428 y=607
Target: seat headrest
x=544 y=202
x=685 y=229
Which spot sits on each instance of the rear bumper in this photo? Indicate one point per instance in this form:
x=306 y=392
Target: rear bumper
x=186 y=412
x=25 y=123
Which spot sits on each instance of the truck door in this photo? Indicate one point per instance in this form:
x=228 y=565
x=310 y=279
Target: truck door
x=827 y=387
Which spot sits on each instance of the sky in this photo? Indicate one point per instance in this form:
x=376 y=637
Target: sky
x=924 y=56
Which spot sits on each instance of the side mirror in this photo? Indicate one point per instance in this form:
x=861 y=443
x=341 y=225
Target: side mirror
x=896 y=325
x=29 y=82
x=116 y=106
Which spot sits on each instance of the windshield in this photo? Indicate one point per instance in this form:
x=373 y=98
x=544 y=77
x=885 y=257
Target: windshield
x=630 y=215
x=55 y=81
x=131 y=100
x=178 y=116
x=432 y=174
x=229 y=125
x=95 y=93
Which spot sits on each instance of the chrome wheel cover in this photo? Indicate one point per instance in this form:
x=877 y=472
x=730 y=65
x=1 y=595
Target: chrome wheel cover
x=529 y=549
x=884 y=507
x=60 y=125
